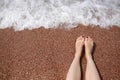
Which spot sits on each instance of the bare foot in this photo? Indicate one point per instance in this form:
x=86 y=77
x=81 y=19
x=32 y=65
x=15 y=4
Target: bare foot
x=79 y=45
x=88 y=47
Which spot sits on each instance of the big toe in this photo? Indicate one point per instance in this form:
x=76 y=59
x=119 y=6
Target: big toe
x=90 y=39
x=80 y=38
x=86 y=39
x=83 y=38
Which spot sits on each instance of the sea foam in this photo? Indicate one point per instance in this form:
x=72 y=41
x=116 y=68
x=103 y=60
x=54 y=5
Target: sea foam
x=31 y=14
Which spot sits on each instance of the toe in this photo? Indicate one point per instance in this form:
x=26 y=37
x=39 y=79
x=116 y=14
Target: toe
x=86 y=39
x=83 y=35
x=79 y=38
x=90 y=39
x=83 y=38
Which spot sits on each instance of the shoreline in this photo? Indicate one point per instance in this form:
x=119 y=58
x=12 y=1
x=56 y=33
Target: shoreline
x=60 y=27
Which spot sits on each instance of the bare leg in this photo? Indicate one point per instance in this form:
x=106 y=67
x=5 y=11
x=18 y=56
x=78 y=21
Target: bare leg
x=74 y=72
x=91 y=70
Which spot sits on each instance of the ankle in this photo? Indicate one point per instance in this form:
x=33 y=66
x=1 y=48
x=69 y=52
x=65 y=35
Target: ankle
x=89 y=57
x=77 y=55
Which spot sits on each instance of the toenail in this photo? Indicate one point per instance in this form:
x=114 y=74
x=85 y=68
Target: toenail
x=83 y=36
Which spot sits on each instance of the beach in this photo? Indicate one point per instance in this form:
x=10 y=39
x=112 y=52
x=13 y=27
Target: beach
x=46 y=54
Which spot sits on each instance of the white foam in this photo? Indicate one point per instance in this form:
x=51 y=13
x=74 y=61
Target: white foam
x=30 y=14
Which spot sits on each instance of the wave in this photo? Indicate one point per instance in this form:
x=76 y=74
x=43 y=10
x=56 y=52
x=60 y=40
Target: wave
x=31 y=14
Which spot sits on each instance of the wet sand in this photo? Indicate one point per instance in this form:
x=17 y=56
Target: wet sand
x=46 y=54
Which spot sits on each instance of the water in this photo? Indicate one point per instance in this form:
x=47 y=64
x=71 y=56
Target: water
x=31 y=14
